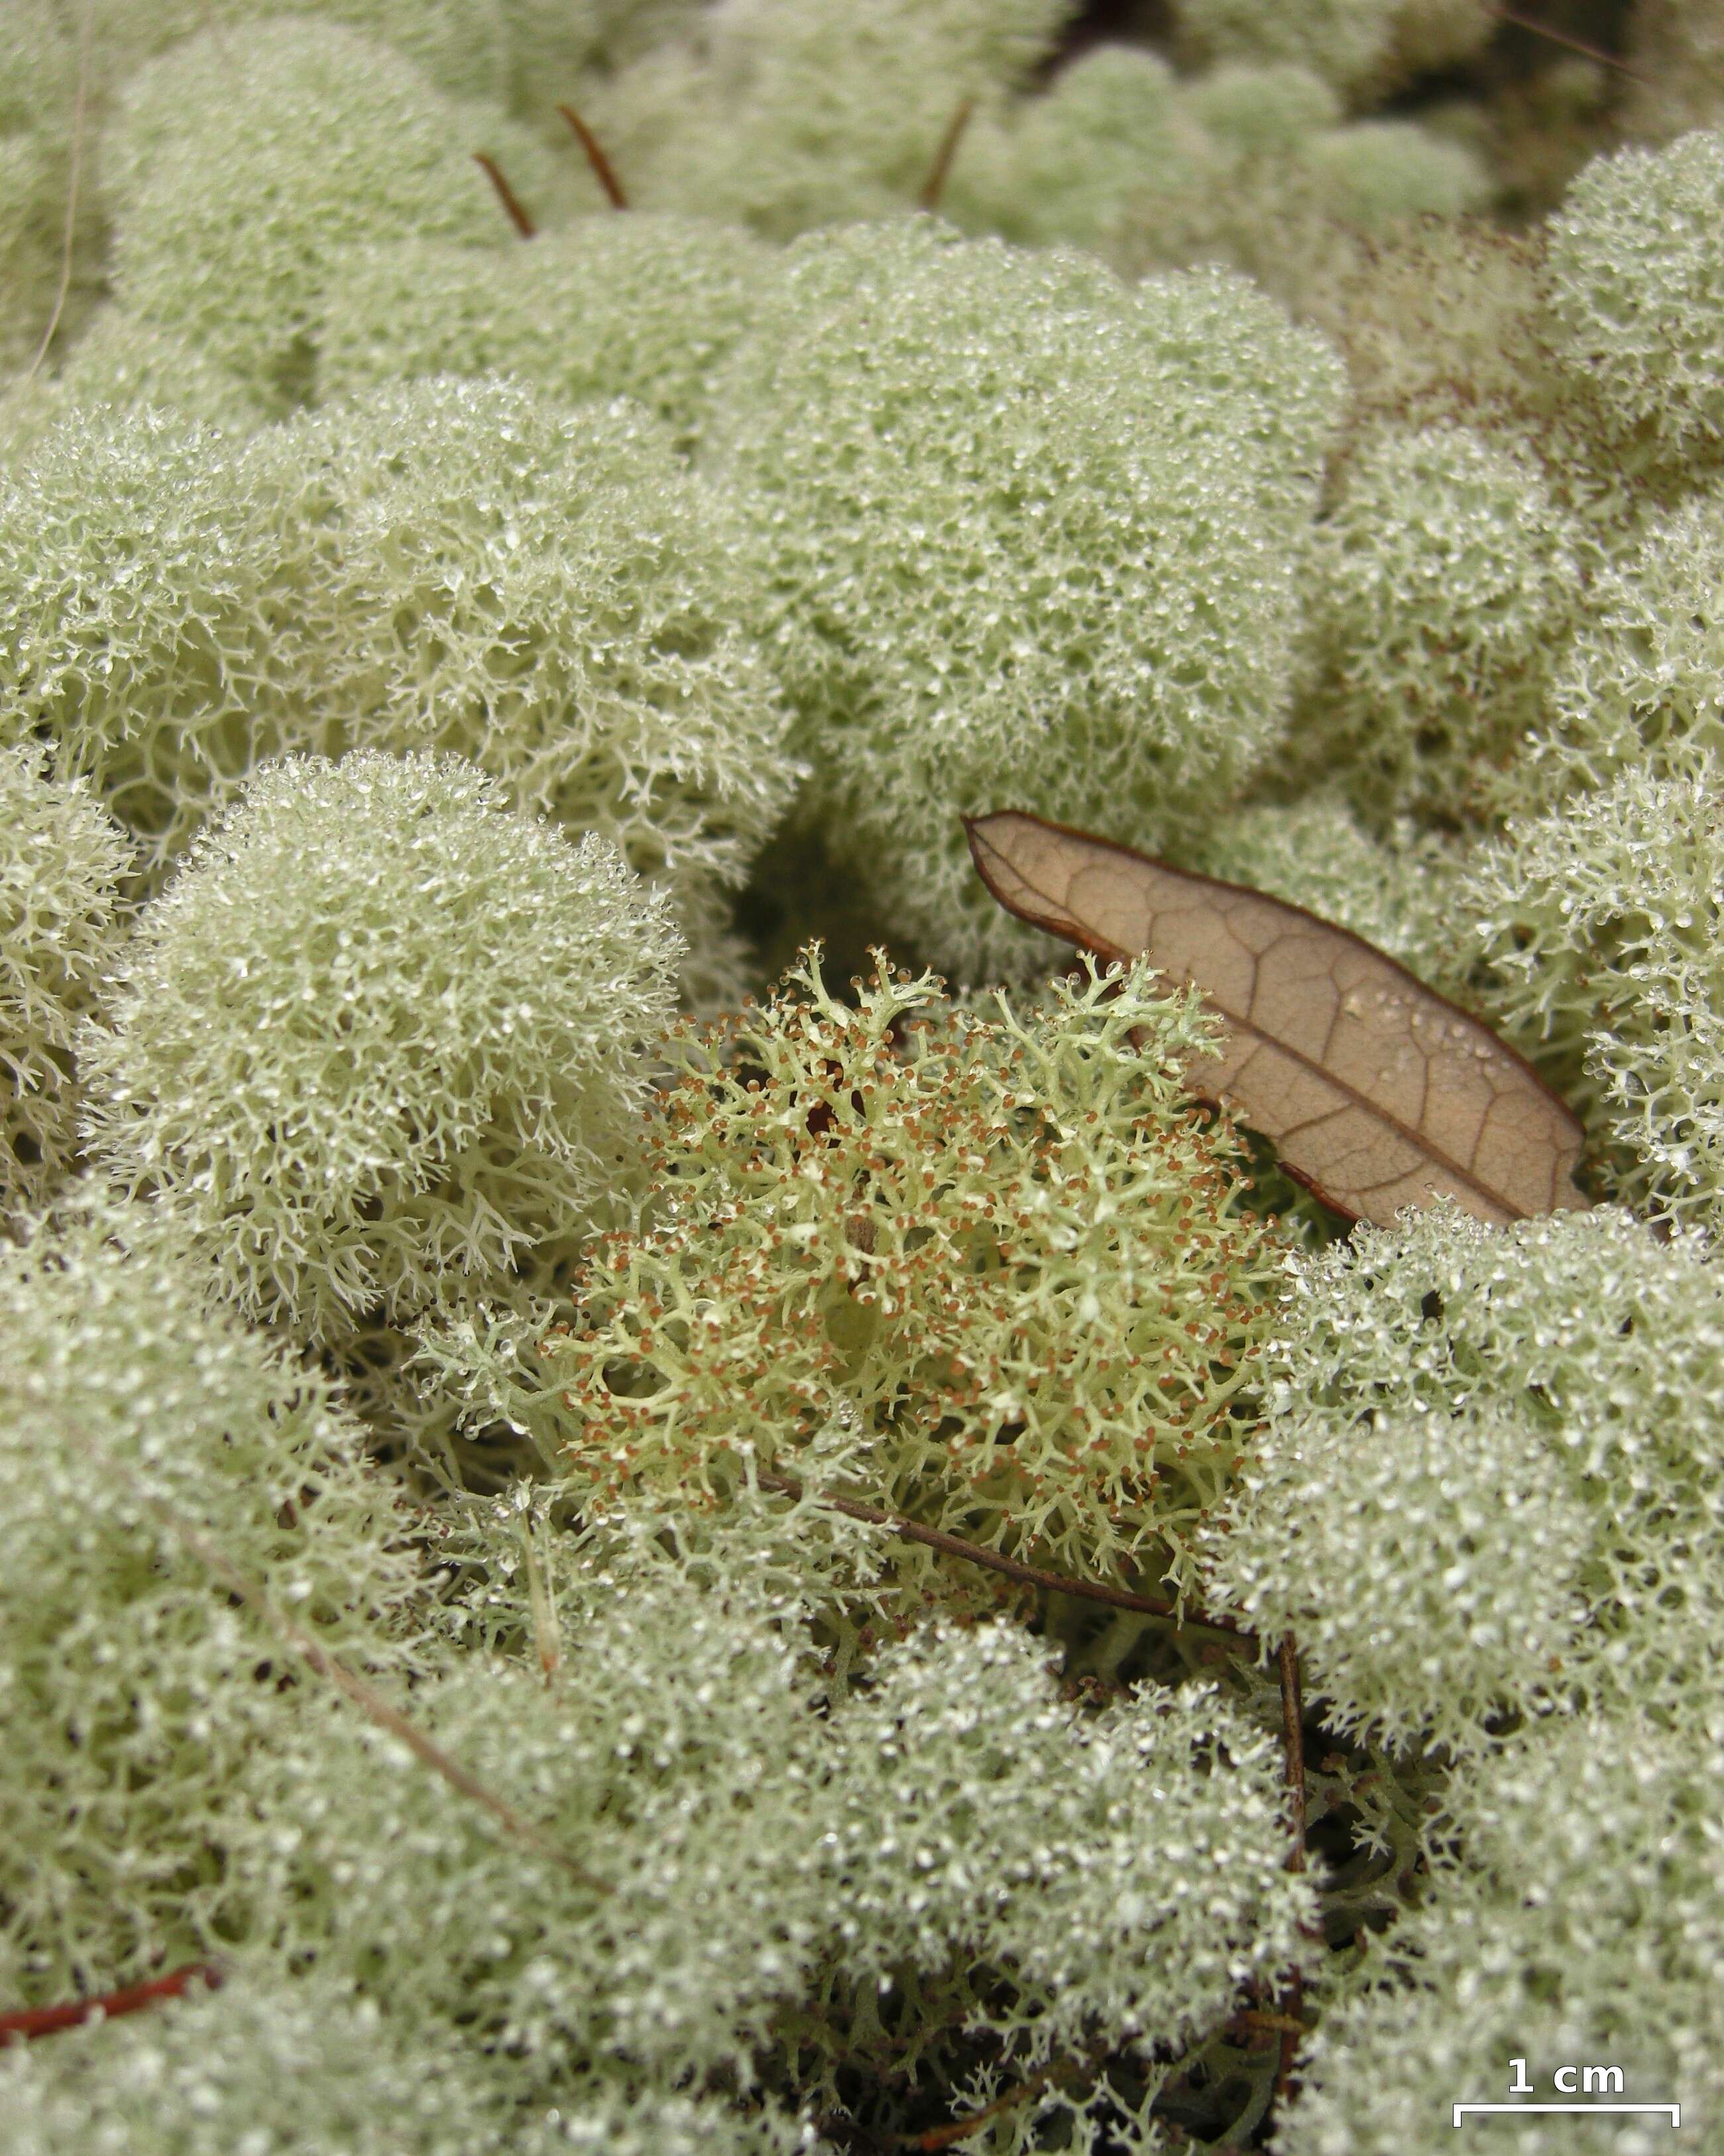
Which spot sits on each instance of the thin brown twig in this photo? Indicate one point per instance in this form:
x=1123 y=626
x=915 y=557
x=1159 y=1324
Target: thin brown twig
x=1030 y=1575
x=366 y=1696
x=960 y=2129
x=1292 y=2028
x=518 y=215
x=1562 y=37
x=1293 y=1734
x=372 y=1702
x=941 y=170
x=602 y=169
x=1293 y=1731
x=29 y=2021
x=73 y=178
x=1256 y=2017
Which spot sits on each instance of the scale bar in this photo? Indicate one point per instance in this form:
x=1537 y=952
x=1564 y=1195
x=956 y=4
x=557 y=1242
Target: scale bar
x=1673 y=2110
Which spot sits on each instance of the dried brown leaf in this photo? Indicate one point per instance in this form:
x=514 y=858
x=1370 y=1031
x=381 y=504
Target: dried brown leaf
x=1378 y=1092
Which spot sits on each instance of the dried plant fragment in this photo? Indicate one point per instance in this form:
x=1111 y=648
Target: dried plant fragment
x=29 y=2022
x=1378 y=1092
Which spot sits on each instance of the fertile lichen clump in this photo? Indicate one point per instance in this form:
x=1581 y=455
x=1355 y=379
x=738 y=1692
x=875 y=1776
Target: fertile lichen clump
x=1443 y=585
x=645 y=306
x=378 y=1036
x=134 y=1691
x=1438 y=321
x=243 y=170
x=1600 y=921
x=1635 y=287
x=1489 y=1482
x=61 y=860
x=1031 y=537
x=1582 y=1863
x=1000 y=1240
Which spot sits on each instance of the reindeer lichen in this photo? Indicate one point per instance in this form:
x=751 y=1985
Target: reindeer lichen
x=381 y=1033
x=61 y=860
x=136 y=1697
x=1028 y=536
x=1489 y=1484
x=241 y=169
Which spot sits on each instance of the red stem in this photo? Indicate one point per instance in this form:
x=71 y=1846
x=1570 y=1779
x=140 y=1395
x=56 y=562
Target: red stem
x=30 y=2021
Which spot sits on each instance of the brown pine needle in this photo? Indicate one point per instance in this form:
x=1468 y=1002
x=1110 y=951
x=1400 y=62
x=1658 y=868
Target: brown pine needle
x=1562 y=37
x=73 y=178
x=941 y=170
x=602 y=169
x=511 y=201
x=1030 y=1575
